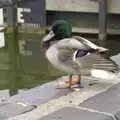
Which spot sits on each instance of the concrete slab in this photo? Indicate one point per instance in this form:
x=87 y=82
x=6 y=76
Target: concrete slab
x=41 y=94
x=108 y=101
x=69 y=99
x=12 y=109
x=28 y=100
x=70 y=113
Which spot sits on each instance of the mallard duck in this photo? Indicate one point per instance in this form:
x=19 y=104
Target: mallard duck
x=77 y=55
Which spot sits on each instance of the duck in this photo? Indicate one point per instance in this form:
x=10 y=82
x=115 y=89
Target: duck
x=77 y=56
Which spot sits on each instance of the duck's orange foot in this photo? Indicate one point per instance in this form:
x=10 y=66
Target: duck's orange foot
x=69 y=83
x=75 y=79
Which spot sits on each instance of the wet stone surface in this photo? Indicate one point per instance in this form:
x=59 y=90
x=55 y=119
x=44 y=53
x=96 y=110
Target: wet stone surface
x=29 y=100
x=70 y=113
x=12 y=109
x=108 y=101
x=40 y=95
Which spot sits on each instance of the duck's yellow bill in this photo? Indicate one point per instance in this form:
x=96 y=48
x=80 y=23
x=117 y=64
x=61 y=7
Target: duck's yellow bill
x=48 y=37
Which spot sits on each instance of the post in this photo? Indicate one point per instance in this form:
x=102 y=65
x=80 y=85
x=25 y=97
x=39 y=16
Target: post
x=12 y=15
x=13 y=52
x=102 y=19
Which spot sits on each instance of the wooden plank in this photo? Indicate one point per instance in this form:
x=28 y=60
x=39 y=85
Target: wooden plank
x=114 y=6
x=72 y=5
x=110 y=31
x=102 y=19
x=12 y=16
x=85 y=30
x=90 y=6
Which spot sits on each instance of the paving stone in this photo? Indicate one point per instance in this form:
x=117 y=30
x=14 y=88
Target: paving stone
x=13 y=109
x=35 y=96
x=108 y=101
x=40 y=95
x=70 y=113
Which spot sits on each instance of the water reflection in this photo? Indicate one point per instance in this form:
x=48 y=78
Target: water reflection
x=22 y=63
x=12 y=45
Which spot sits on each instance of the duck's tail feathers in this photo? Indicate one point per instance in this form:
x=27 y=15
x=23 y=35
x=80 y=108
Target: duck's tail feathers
x=90 y=44
x=102 y=74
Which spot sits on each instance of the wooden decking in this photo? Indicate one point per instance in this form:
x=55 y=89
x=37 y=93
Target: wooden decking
x=95 y=31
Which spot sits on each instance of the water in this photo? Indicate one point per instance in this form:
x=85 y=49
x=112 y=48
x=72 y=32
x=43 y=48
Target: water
x=23 y=64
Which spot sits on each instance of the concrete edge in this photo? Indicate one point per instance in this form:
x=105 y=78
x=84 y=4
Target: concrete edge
x=71 y=100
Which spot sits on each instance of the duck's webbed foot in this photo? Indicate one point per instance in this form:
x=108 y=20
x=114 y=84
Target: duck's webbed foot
x=74 y=80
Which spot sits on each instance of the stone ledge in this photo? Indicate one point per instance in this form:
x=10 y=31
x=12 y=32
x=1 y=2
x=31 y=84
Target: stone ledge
x=70 y=99
x=70 y=113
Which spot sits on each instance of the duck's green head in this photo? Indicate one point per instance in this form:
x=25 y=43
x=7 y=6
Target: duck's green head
x=60 y=29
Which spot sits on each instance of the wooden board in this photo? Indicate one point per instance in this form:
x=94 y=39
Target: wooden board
x=81 y=5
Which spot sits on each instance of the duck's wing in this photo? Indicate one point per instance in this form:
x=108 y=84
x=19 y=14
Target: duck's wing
x=71 y=43
x=66 y=61
x=96 y=61
x=90 y=44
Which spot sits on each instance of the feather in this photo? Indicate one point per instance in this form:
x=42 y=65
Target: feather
x=90 y=44
x=96 y=61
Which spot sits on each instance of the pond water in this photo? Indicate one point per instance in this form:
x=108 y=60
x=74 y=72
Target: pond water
x=23 y=64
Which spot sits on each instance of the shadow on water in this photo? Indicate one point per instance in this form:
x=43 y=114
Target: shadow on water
x=23 y=64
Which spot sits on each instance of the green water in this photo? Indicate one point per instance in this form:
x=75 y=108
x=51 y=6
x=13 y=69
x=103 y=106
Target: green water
x=23 y=64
